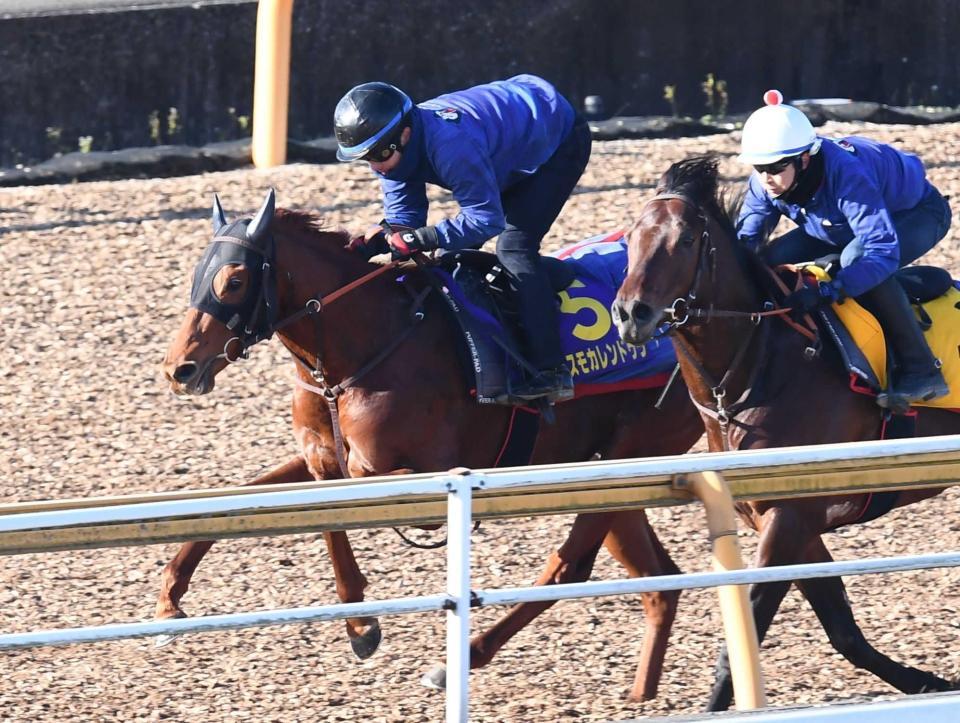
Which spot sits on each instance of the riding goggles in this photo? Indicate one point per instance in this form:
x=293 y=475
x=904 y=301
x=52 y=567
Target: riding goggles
x=775 y=167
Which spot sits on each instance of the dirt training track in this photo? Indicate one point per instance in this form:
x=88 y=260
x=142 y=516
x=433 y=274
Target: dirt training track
x=96 y=278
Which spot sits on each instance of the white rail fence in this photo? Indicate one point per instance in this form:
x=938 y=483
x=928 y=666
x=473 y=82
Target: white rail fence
x=826 y=469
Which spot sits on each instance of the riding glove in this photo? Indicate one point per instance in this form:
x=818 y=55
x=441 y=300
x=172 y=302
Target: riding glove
x=810 y=298
x=404 y=244
x=374 y=241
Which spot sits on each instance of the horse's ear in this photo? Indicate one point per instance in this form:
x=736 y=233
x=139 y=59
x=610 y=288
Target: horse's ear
x=261 y=222
x=219 y=220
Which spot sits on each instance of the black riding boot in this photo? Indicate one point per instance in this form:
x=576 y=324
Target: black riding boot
x=918 y=377
x=538 y=313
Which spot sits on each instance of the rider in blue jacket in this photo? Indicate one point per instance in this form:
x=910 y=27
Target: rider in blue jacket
x=511 y=152
x=867 y=201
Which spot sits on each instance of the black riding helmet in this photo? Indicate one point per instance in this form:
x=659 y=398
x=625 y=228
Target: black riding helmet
x=368 y=121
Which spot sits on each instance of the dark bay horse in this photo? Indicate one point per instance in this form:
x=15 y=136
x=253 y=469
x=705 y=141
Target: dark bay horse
x=756 y=389
x=410 y=410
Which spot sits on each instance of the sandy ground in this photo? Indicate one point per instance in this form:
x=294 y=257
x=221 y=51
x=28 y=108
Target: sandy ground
x=96 y=278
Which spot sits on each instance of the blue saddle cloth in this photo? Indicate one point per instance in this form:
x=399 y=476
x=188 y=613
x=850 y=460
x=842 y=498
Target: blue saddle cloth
x=596 y=355
x=592 y=347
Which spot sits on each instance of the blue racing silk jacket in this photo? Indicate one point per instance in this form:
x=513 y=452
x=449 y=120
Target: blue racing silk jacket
x=864 y=183
x=476 y=143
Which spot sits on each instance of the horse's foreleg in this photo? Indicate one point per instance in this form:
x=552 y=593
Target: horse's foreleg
x=364 y=633
x=175 y=578
x=781 y=539
x=572 y=562
x=176 y=575
x=765 y=599
x=634 y=544
x=828 y=599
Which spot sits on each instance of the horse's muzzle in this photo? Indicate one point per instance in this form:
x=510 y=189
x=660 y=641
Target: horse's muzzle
x=635 y=320
x=188 y=378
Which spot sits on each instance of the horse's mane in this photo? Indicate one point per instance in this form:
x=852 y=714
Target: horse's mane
x=697 y=178
x=308 y=226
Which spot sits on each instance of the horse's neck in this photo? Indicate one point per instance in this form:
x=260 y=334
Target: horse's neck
x=718 y=349
x=348 y=331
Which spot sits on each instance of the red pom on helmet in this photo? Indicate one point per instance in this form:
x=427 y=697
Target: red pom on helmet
x=773 y=97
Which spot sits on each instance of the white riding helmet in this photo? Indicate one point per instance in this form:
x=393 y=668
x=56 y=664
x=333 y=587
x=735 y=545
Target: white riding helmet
x=776 y=131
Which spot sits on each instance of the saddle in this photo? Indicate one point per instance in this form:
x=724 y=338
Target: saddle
x=859 y=338
x=482 y=299
x=561 y=275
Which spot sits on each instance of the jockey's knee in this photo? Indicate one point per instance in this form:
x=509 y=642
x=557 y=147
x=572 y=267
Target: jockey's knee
x=517 y=259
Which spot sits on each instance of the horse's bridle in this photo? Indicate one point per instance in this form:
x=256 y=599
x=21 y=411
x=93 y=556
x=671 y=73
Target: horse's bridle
x=259 y=325
x=682 y=310
x=251 y=320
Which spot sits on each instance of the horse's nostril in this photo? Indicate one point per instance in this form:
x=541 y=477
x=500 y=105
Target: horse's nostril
x=183 y=373
x=642 y=313
x=618 y=311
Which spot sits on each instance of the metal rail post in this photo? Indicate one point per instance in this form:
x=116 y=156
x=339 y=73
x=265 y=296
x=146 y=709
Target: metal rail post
x=459 y=516
x=738 y=625
x=271 y=83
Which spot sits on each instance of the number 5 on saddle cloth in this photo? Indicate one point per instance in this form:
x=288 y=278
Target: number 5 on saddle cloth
x=481 y=297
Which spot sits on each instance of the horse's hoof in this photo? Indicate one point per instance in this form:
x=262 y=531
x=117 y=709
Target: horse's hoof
x=165 y=639
x=366 y=645
x=435 y=678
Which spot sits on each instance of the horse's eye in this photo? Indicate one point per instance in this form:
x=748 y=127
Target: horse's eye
x=686 y=239
x=234 y=283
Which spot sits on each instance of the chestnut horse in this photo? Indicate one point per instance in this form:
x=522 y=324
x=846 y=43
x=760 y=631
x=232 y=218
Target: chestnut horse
x=687 y=268
x=400 y=403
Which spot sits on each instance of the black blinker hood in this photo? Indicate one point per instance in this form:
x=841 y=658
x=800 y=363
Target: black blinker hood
x=253 y=318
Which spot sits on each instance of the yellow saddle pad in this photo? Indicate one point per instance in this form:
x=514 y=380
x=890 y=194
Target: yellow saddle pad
x=943 y=336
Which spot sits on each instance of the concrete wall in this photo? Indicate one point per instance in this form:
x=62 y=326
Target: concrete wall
x=109 y=81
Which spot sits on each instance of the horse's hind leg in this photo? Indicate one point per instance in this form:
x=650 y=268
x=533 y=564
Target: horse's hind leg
x=828 y=598
x=572 y=562
x=176 y=575
x=633 y=543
